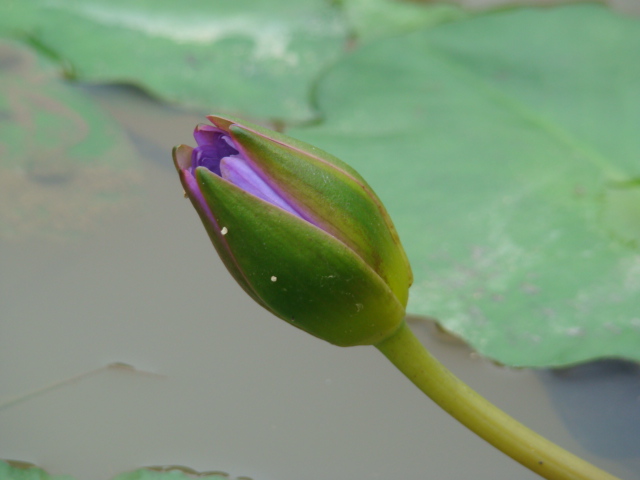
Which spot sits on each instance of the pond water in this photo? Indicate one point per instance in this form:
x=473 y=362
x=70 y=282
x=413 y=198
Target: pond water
x=215 y=382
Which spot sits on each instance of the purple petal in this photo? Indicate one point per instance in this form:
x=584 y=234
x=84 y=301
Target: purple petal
x=238 y=171
x=206 y=134
x=206 y=156
x=213 y=145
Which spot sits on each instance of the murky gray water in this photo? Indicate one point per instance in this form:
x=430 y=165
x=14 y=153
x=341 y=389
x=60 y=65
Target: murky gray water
x=221 y=384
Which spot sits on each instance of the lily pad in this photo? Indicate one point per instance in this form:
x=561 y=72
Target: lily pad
x=24 y=471
x=248 y=56
x=506 y=149
x=374 y=19
x=63 y=162
x=170 y=473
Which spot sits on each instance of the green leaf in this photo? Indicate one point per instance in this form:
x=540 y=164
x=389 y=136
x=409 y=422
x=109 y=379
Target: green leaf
x=170 y=473
x=506 y=149
x=374 y=19
x=247 y=56
x=23 y=471
x=63 y=162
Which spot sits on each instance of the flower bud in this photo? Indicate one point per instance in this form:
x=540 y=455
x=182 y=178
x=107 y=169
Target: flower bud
x=299 y=230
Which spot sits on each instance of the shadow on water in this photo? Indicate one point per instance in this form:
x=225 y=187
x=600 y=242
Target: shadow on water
x=599 y=403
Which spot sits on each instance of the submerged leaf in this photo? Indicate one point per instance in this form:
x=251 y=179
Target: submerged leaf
x=63 y=162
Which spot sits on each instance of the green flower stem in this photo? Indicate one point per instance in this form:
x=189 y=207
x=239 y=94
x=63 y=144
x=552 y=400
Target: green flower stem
x=537 y=453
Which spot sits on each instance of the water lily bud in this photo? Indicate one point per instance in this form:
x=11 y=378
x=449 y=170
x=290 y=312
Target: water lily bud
x=299 y=230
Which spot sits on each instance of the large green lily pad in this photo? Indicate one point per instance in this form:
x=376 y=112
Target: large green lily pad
x=506 y=148
x=248 y=56
x=63 y=162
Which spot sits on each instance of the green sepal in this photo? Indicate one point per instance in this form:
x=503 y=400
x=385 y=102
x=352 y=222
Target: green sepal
x=182 y=161
x=299 y=272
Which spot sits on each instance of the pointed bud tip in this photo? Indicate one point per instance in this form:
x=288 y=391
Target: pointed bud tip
x=221 y=122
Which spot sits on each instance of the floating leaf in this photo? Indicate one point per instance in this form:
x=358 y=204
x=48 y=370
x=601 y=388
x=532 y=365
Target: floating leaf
x=63 y=162
x=373 y=19
x=506 y=148
x=24 y=471
x=170 y=473
x=248 y=56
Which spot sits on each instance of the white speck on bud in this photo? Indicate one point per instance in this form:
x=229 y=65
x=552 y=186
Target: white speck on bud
x=224 y=231
x=274 y=278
